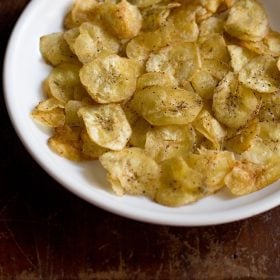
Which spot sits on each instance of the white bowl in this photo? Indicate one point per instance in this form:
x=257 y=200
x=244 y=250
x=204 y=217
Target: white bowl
x=23 y=75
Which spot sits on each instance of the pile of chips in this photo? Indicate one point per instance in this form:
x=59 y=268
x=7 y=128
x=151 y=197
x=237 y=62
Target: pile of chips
x=177 y=99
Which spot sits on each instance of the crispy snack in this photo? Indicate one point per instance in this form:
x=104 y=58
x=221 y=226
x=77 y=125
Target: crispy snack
x=261 y=74
x=181 y=61
x=131 y=171
x=55 y=49
x=166 y=106
x=233 y=104
x=166 y=142
x=247 y=21
x=109 y=79
x=177 y=99
x=106 y=125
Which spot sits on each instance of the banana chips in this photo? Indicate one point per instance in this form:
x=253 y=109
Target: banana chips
x=177 y=99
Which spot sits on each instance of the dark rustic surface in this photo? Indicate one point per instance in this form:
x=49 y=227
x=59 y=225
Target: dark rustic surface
x=48 y=233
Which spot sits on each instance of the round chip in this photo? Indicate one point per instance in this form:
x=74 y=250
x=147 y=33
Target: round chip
x=131 y=171
x=180 y=61
x=106 y=125
x=247 y=21
x=109 y=79
x=234 y=104
x=261 y=74
x=166 y=106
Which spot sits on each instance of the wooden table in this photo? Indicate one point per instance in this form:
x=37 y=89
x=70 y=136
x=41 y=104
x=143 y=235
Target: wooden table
x=48 y=233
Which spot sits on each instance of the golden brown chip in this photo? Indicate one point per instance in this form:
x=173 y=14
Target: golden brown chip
x=71 y=112
x=169 y=141
x=234 y=104
x=179 y=184
x=139 y=130
x=181 y=61
x=210 y=128
x=261 y=74
x=66 y=143
x=106 y=125
x=64 y=81
x=166 y=106
x=155 y=79
x=109 y=79
x=247 y=21
x=131 y=171
x=211 y=26
x=55 y=49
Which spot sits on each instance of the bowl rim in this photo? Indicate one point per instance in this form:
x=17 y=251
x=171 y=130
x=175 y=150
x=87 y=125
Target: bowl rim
x=240 y=213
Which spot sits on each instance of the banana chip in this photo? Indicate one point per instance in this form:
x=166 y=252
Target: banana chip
x=239 y=57
x=106 y=125
x=131 y=171
x=218 y=69
x=240 y=140
x=66 y=143
x=261 y=74
x=166 y=142
x=123 y=19
x=145 y=3
x=212 y=25
x=166 y=106
x=109 y=79
x=181 y=61
x=233 y=104
x=92 y=41
x=179 y=184
x=204 y=84
x=214 y=165
x=270 y=107
x=71 y=112
x=55 y=49
x=247 y=21
x=210 y=128
x=89 y=148
x=64 y=81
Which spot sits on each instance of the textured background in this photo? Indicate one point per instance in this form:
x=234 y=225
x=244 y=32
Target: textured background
x=48 y=233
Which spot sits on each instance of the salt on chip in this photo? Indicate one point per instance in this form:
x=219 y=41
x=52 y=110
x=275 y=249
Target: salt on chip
x=109 y=79
x=166 y=142
x=247 y=21
x=181 y=61
x=234 y=104
x=131 y=171
x=55 y=49
x=166 y=106
x=106 y=125
x=261 y=74
x=179 y=184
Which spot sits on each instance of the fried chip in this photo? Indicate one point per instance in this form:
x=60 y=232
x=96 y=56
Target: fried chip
x=66 y=143
x=166 y=106
x=139 y=130
x=106 y=125
x=181 y=61
x=109 y=79
x=55 y=49
x=210 y=128
x=155 y=79
x=247 y=21
x=233 y=104
x=131 y=171
x=165 y=142
x=261 y=74
x=179 y=184
x=92 y=41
